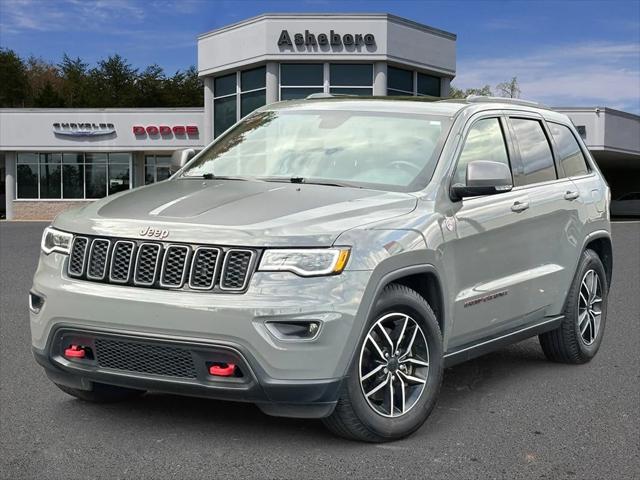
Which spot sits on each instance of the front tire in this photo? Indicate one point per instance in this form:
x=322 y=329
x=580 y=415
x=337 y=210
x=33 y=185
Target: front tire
x=579 y=336
x=395 y=376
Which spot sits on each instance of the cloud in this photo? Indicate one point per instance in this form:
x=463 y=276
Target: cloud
x=20 y=16
x=597 y=73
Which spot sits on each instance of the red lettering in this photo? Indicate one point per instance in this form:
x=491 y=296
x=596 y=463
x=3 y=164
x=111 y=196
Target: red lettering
x=164 y=130
x=179 y=130
x=152 y=130
x=192 y=130
x=138 y=130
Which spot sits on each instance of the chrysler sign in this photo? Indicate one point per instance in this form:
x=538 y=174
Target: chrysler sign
x=83 y=129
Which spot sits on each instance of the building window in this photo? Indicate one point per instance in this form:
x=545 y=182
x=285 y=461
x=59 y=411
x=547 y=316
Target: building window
x=253 y=90
x=71 y=175
x=406 y=82
x=156 y=168
x=399 y=82
x=582 y=131
x=298 y=80
x=351 y=78
x=225 y=109
x=237 y=95
x=427 y=85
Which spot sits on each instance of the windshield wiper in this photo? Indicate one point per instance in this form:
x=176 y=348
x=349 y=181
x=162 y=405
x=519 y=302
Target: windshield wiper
x=211 y=176
x=319 y=181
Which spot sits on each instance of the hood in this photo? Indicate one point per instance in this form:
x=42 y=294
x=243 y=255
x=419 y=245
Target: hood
x=241 y=213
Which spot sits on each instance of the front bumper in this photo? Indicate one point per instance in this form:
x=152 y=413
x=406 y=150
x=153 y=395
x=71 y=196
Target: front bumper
x=289 y=398
x=283 y=377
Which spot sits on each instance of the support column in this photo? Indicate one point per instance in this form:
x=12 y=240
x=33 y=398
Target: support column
x=272 y=82
x=445 y=87
x=380 y=78
x=10 y=182
x=208 y=110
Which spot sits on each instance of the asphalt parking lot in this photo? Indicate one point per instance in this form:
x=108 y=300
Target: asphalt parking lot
x=510 y=414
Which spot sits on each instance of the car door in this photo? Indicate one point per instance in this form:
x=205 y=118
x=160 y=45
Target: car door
x=484 y=256
x=552 y=229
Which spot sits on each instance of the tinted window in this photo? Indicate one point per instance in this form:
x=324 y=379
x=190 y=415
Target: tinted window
x=569 y=152
x=253 y=79
x=352 y=91
x=28 y=181
x=428 y=85
x=294 y=93
x=537 y=159
x=224 y=114
x=349 y=74
x=252 y=100
x=301 y=74
x=485 y=141
x=399 y=79
x=224 y=85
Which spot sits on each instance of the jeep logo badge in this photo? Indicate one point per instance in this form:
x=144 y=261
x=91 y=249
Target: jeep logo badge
x=154 y=232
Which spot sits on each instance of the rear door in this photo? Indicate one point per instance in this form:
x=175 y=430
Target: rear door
x=552 y=230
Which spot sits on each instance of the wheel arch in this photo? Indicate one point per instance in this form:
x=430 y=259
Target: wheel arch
x=600 y=242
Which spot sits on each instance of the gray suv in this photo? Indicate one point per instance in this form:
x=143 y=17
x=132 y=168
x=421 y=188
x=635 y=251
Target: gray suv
x=329 y=258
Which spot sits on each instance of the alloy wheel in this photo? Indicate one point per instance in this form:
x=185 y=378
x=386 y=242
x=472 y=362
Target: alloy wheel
x=590 y=307
x=394 y=365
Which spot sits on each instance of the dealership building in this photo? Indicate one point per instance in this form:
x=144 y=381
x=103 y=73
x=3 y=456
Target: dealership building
x=53 y=159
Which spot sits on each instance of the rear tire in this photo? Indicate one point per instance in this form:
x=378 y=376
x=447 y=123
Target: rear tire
x=412 y=371
x=579 y=336
x=102 y=393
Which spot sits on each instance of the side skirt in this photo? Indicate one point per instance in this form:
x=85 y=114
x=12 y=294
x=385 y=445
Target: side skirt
x=467 y=352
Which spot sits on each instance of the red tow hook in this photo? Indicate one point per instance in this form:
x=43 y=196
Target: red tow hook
x=74 y=351
x=222 y=370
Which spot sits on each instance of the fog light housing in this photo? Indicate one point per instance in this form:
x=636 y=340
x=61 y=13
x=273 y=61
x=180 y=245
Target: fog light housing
x=36 y=302
x=294 y=330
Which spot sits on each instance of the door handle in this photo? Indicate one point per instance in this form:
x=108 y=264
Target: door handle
x=519 y=206
x=569 y=195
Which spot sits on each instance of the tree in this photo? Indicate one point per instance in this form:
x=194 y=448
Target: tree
x=113 y=83
x=150 y=86
x=41 y=73
x=48 y=98
x=75 y=82
x=509 y=89
x=13 y=79
x=457 y=93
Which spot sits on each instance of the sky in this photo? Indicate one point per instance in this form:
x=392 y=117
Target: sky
x=564 y=53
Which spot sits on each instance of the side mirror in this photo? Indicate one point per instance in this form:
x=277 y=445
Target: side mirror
x=179 y=159
x=484 y=178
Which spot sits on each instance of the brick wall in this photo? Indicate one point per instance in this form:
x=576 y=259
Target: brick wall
x=25 y=210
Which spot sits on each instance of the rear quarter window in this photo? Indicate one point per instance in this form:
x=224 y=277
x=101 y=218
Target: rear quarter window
x=569 y=152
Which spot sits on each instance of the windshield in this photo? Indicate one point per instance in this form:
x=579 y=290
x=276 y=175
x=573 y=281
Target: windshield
x=391 y=151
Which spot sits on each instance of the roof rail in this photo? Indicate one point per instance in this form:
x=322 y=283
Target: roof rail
x=513 y=101
x=326 y=95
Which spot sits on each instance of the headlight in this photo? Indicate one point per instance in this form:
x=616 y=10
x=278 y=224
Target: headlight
x=56 y=241
x=306 y=262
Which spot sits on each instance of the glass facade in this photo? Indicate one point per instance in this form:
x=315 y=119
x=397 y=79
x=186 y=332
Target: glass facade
x=156 y=168
x=237 y=95
x=408 y=83
x=71 y=175
x=240 y=93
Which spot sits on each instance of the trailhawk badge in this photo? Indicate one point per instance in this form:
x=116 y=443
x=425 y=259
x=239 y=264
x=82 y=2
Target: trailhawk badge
x=154 y=232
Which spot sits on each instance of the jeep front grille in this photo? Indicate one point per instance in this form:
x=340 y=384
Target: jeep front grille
x=161 y=265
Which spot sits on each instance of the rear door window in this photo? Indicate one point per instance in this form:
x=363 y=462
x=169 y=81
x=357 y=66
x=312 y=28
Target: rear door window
x=569 y=152
x=535 y=152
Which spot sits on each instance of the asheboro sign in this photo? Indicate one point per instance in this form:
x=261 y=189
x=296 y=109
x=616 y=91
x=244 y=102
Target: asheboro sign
x=332 y=39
